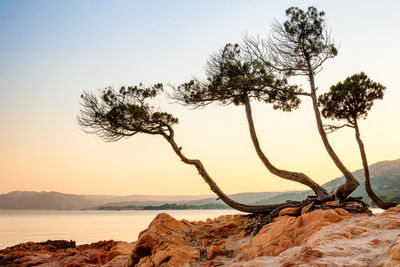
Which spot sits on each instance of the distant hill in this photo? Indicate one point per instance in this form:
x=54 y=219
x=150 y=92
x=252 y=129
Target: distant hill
x=107 y=199
x=385 y=180
x=283 y=197
x=204 y=203
x=246 y=198
x=29 y=200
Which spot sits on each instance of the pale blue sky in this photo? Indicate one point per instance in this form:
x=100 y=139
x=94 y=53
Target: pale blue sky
x=50 y=51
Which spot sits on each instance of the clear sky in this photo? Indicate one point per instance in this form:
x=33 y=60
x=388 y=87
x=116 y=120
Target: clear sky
x=51 y=51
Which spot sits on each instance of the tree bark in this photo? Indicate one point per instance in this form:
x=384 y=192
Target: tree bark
x=214 y=187
x=293 y=176
x=351 y=183
x=381 y=204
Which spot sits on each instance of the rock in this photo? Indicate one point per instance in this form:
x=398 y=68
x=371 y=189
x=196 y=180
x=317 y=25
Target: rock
x=59 y=244
x=289 y=211
x=63 y=253
x=394 y=210
x=214 y=251
x=354 y=230
x=309 y=254
x=213 y=263
x=175 y=255
x=285 y=232
x=122 y=248
x=353 y=205
x=395 y=252
x=305 y=209
x=164 y=241
x=169 y=242
x=330 y=203
x=118 y=261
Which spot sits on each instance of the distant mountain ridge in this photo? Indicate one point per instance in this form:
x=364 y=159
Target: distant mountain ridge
x=385 y=180
x=205 y=203
x=32 y=200
x=28 y=200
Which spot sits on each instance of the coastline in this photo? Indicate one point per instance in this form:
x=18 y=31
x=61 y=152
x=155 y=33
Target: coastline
x=318 y=237
x=85 y=226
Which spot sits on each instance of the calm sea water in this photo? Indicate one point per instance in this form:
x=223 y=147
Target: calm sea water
x=83 y=226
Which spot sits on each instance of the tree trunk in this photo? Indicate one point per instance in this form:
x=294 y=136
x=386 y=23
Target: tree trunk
x=213 y=186
x=293 y=176
x=351 y=183
x=381 y=204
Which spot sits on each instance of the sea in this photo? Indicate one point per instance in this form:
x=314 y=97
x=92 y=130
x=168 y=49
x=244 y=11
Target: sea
x=87 y=226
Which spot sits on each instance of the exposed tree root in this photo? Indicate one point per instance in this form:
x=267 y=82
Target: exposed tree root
x=297 y=208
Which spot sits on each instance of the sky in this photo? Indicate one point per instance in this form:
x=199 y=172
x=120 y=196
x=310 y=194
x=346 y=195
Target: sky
x=52 y=51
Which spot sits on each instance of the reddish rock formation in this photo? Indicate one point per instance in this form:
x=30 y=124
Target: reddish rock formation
x=58 y=253
x=169 y=242
x=331 y=237
x=286 y=232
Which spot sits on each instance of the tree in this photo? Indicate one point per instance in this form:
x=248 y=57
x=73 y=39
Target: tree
x=235 y=76
x=122 y=114
x=238 y=75
x=300 y=46
x=350 y=101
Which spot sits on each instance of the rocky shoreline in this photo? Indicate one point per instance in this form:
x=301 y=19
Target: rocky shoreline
x=332 y=237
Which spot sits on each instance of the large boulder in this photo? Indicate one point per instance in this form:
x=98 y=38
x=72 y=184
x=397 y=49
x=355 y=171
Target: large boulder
x=164 y=241
x=169 y=242
x=286 y=231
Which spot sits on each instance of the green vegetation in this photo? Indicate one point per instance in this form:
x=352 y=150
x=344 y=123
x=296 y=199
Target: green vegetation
x=350 y=101
x=172 y=206
x=168 y=206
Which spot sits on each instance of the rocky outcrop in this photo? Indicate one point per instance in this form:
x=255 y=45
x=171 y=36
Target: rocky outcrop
x=343 y=240
x=168 y=242
x=64 y=253
x=286 y=232
x=331 y=237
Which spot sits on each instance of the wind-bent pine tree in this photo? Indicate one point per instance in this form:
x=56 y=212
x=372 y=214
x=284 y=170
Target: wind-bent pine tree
x=122 y=114
x=350 y=101
x=238 y=74
x=300 y=46
x=235 y=76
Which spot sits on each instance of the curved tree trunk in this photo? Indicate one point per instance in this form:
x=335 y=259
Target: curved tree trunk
x=351 y=183
x=214 y=187
x=293 y=176
x=381 y=204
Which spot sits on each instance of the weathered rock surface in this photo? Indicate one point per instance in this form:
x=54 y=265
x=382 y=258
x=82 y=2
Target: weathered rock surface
x=286 y=232
x=319 y=238
x=331 y=240
x=102 y=253
x=168 y=242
